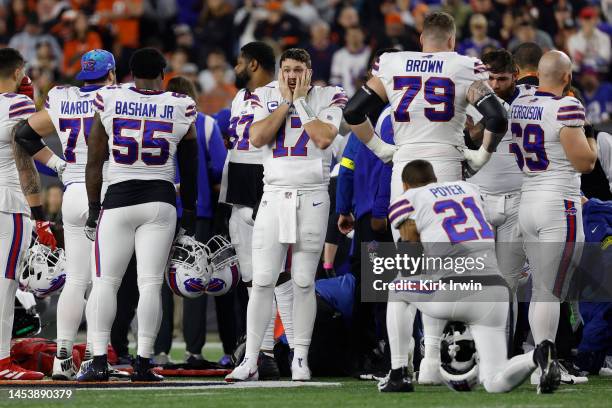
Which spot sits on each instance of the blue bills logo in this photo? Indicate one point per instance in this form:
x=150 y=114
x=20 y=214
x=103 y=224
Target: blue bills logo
x=194 y=285
x=215 y=285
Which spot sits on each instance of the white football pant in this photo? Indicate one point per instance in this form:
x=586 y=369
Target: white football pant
x=149 y=230
x=15 y=236
x=286 y=219
x=553 y=234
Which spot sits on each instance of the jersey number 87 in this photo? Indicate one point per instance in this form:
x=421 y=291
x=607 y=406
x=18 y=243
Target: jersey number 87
x=131 y=148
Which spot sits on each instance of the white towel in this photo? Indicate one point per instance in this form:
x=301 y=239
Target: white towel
x=287 y=217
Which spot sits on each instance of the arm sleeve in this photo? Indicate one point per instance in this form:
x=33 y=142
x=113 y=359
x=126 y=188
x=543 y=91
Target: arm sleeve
x=570 y=113
x=400 y=210
x=260 y=104
x=344 y=184
x=217 y=152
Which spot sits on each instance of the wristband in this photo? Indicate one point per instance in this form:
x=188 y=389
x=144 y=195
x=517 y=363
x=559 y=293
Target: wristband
x=304 y=111
x=383 y=150
x=55 y=163
x=37 y=213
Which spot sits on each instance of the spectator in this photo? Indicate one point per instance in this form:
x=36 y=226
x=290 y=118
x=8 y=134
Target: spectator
x=525 y=32
x=188 y=12
x=460 y=12
x=190 y=71
x=17 y=17
x=565 y=26
x=590 y=45
x=215 y=62
x=216 y=29
x=474 y=45
x=302 y=10
x=245 y=21
x=493 y=16
x=597 y=96
x=81 y=39
x=321 y=51
x=350 y=64
x=178 y=59
x=279 y=26
x=217 y=83
x=506 y=31
x=347 y=17
x=26 y=42
x=397 y=35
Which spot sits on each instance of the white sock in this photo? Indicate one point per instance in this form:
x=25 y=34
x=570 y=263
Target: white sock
x=149 y=313
x=8 y=287
x=259 y=313
x=304 y=313
x=69 y=314
x=267 y=343
x=544 y=320
x=399 y=329
x=512 y=374
x=284 y=301
x=432 y=329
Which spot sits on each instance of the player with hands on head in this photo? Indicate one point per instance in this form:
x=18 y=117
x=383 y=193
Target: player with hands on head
x=141 y=129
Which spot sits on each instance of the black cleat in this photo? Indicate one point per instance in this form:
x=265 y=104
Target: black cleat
x=92 y=370
x=397 y=380
x=267 y=367
x=143 y=371
x=545 y=357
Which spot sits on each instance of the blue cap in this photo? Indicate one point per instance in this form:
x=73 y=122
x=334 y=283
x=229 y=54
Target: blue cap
x=95 y=64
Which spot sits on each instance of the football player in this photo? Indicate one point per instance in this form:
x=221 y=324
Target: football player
x=20 y=201
x=293 y=123
x=500 y=179
x=243 y=188
x=429 y=92
x=556 y=146
x=427 y=212
x=69 y=112
x=142 y=128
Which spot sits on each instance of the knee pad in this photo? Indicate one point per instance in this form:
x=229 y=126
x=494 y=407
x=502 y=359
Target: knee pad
x=302 y=279
x=264 y=278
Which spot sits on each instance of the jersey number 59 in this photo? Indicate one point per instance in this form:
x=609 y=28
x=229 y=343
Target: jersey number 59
x=126 y=149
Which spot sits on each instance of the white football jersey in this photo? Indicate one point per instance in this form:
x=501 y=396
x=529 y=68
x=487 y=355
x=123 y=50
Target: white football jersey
x=501 y=174
x=71 y=110
x=240 y=122
x=13 y=108
x=535 y=123
x=144 y=128
x=349 y=69
x=428 y=94
x=292 y=160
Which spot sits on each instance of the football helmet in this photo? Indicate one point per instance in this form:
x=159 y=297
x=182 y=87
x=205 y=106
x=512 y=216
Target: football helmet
x=224 y=260
x=189 y=268
x=459 y=360
x=44 y=271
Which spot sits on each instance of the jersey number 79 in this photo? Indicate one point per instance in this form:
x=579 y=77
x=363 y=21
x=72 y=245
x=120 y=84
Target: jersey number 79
x=437 y=91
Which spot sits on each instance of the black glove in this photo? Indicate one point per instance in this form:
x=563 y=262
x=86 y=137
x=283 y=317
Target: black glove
x=92 y=220
x=223 y=212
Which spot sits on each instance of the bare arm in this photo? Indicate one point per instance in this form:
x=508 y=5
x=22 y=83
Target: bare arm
x=97 y=151
x=581 y=151
x=28 y=176
x=408 y=231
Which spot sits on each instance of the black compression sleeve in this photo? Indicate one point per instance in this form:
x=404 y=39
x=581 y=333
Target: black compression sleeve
x=187 y=154
x=495 y=117
x=361 y=104
x=27 y=138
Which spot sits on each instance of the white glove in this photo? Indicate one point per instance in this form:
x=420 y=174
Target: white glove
x=26 y=299
x=383 y=150
x=476 y=158
x=58 y=165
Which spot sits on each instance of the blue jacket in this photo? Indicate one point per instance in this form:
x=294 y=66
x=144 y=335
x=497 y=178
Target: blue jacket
x=211 y=157
x=339 y=292
x=597 y=220
x=364 y=181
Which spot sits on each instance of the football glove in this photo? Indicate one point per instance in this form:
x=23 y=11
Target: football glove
x=45 y=235
x=26 y=88
x=92 y=221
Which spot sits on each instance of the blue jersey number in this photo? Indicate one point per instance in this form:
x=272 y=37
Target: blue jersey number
x=300 y=148
x=460 y=217
x=74 y=125
x=438 y=91
x=240 y=144
x=533 y=142
x=150 y=128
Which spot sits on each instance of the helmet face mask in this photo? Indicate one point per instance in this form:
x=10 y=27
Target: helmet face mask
x=43 y=270
x=189 y=269
x=459 y=359
x=226 y=273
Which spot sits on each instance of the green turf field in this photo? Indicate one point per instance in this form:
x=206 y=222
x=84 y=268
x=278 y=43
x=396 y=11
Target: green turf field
x=351 y=393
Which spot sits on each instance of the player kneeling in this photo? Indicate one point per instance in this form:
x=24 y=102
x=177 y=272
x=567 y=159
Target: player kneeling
x=422 y=214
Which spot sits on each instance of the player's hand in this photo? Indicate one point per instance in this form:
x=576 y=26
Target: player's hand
x=283 y=87
x=91 y=224
x=346 y=223
x=378 y=224
x=45 y=235
x=26 y=88
x=302 y=85
x=475 y=159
